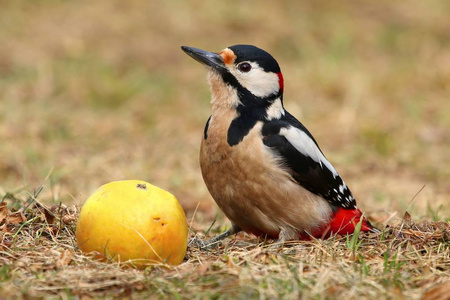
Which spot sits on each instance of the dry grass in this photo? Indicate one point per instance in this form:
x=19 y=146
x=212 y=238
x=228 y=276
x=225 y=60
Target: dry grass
x=91 y=92
x=40 y=259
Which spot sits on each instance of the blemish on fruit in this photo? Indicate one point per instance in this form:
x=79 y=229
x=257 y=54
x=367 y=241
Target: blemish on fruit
x=141 y=186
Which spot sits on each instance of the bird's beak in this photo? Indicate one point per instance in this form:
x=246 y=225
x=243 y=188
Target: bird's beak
x=209 y=59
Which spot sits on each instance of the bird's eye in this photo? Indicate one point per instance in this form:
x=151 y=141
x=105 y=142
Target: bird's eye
x=245 y=67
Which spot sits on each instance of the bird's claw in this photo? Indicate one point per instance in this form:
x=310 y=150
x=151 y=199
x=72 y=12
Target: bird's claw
x=200 y=244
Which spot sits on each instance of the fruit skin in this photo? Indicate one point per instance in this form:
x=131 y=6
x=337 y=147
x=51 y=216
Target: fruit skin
x=133 y=220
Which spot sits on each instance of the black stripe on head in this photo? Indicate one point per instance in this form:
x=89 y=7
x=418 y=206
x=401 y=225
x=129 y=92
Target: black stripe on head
x=245 y=96
x=255 y=54
x=264 y=60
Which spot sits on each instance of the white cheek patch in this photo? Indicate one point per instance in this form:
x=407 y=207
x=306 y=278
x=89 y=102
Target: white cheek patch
x=305 y=145
x=259 y=82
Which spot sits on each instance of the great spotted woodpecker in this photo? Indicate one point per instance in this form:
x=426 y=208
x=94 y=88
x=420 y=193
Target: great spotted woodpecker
x=261 y=165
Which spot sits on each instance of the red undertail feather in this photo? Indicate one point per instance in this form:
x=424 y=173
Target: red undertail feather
x=344 y=222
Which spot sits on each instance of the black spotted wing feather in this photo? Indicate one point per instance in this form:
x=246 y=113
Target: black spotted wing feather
x=288 y=138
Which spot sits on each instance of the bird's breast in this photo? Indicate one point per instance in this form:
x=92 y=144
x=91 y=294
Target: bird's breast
x=250 y=185
x=230 y=173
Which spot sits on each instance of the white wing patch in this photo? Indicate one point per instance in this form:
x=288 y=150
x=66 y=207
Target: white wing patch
x=305 y=145
x=275 y=110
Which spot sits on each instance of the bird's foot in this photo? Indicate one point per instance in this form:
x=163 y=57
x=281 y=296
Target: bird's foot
x=214 y=242
x=284 y=242
x=203 y=245
x=199 y=244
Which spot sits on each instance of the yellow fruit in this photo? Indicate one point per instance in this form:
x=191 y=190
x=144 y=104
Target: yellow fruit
x=133 y=220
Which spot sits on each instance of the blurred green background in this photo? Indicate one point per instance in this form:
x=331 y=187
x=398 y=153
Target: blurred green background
x=95 y=91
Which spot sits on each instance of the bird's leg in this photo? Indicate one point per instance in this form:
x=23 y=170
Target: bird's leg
x=232 y=230
x=286 y=234
x=205 y=245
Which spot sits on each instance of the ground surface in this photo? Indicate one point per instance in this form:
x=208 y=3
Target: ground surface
x=92 y=92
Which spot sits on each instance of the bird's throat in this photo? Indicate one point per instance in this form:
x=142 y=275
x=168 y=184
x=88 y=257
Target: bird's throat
x=224 y=96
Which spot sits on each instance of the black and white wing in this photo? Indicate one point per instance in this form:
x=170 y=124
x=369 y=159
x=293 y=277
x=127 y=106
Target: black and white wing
x=308 y=166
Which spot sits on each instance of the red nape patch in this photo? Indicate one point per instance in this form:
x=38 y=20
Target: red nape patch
x=343 y=222
x=281 y=81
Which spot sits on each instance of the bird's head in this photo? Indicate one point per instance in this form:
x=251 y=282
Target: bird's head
x=245 y=70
